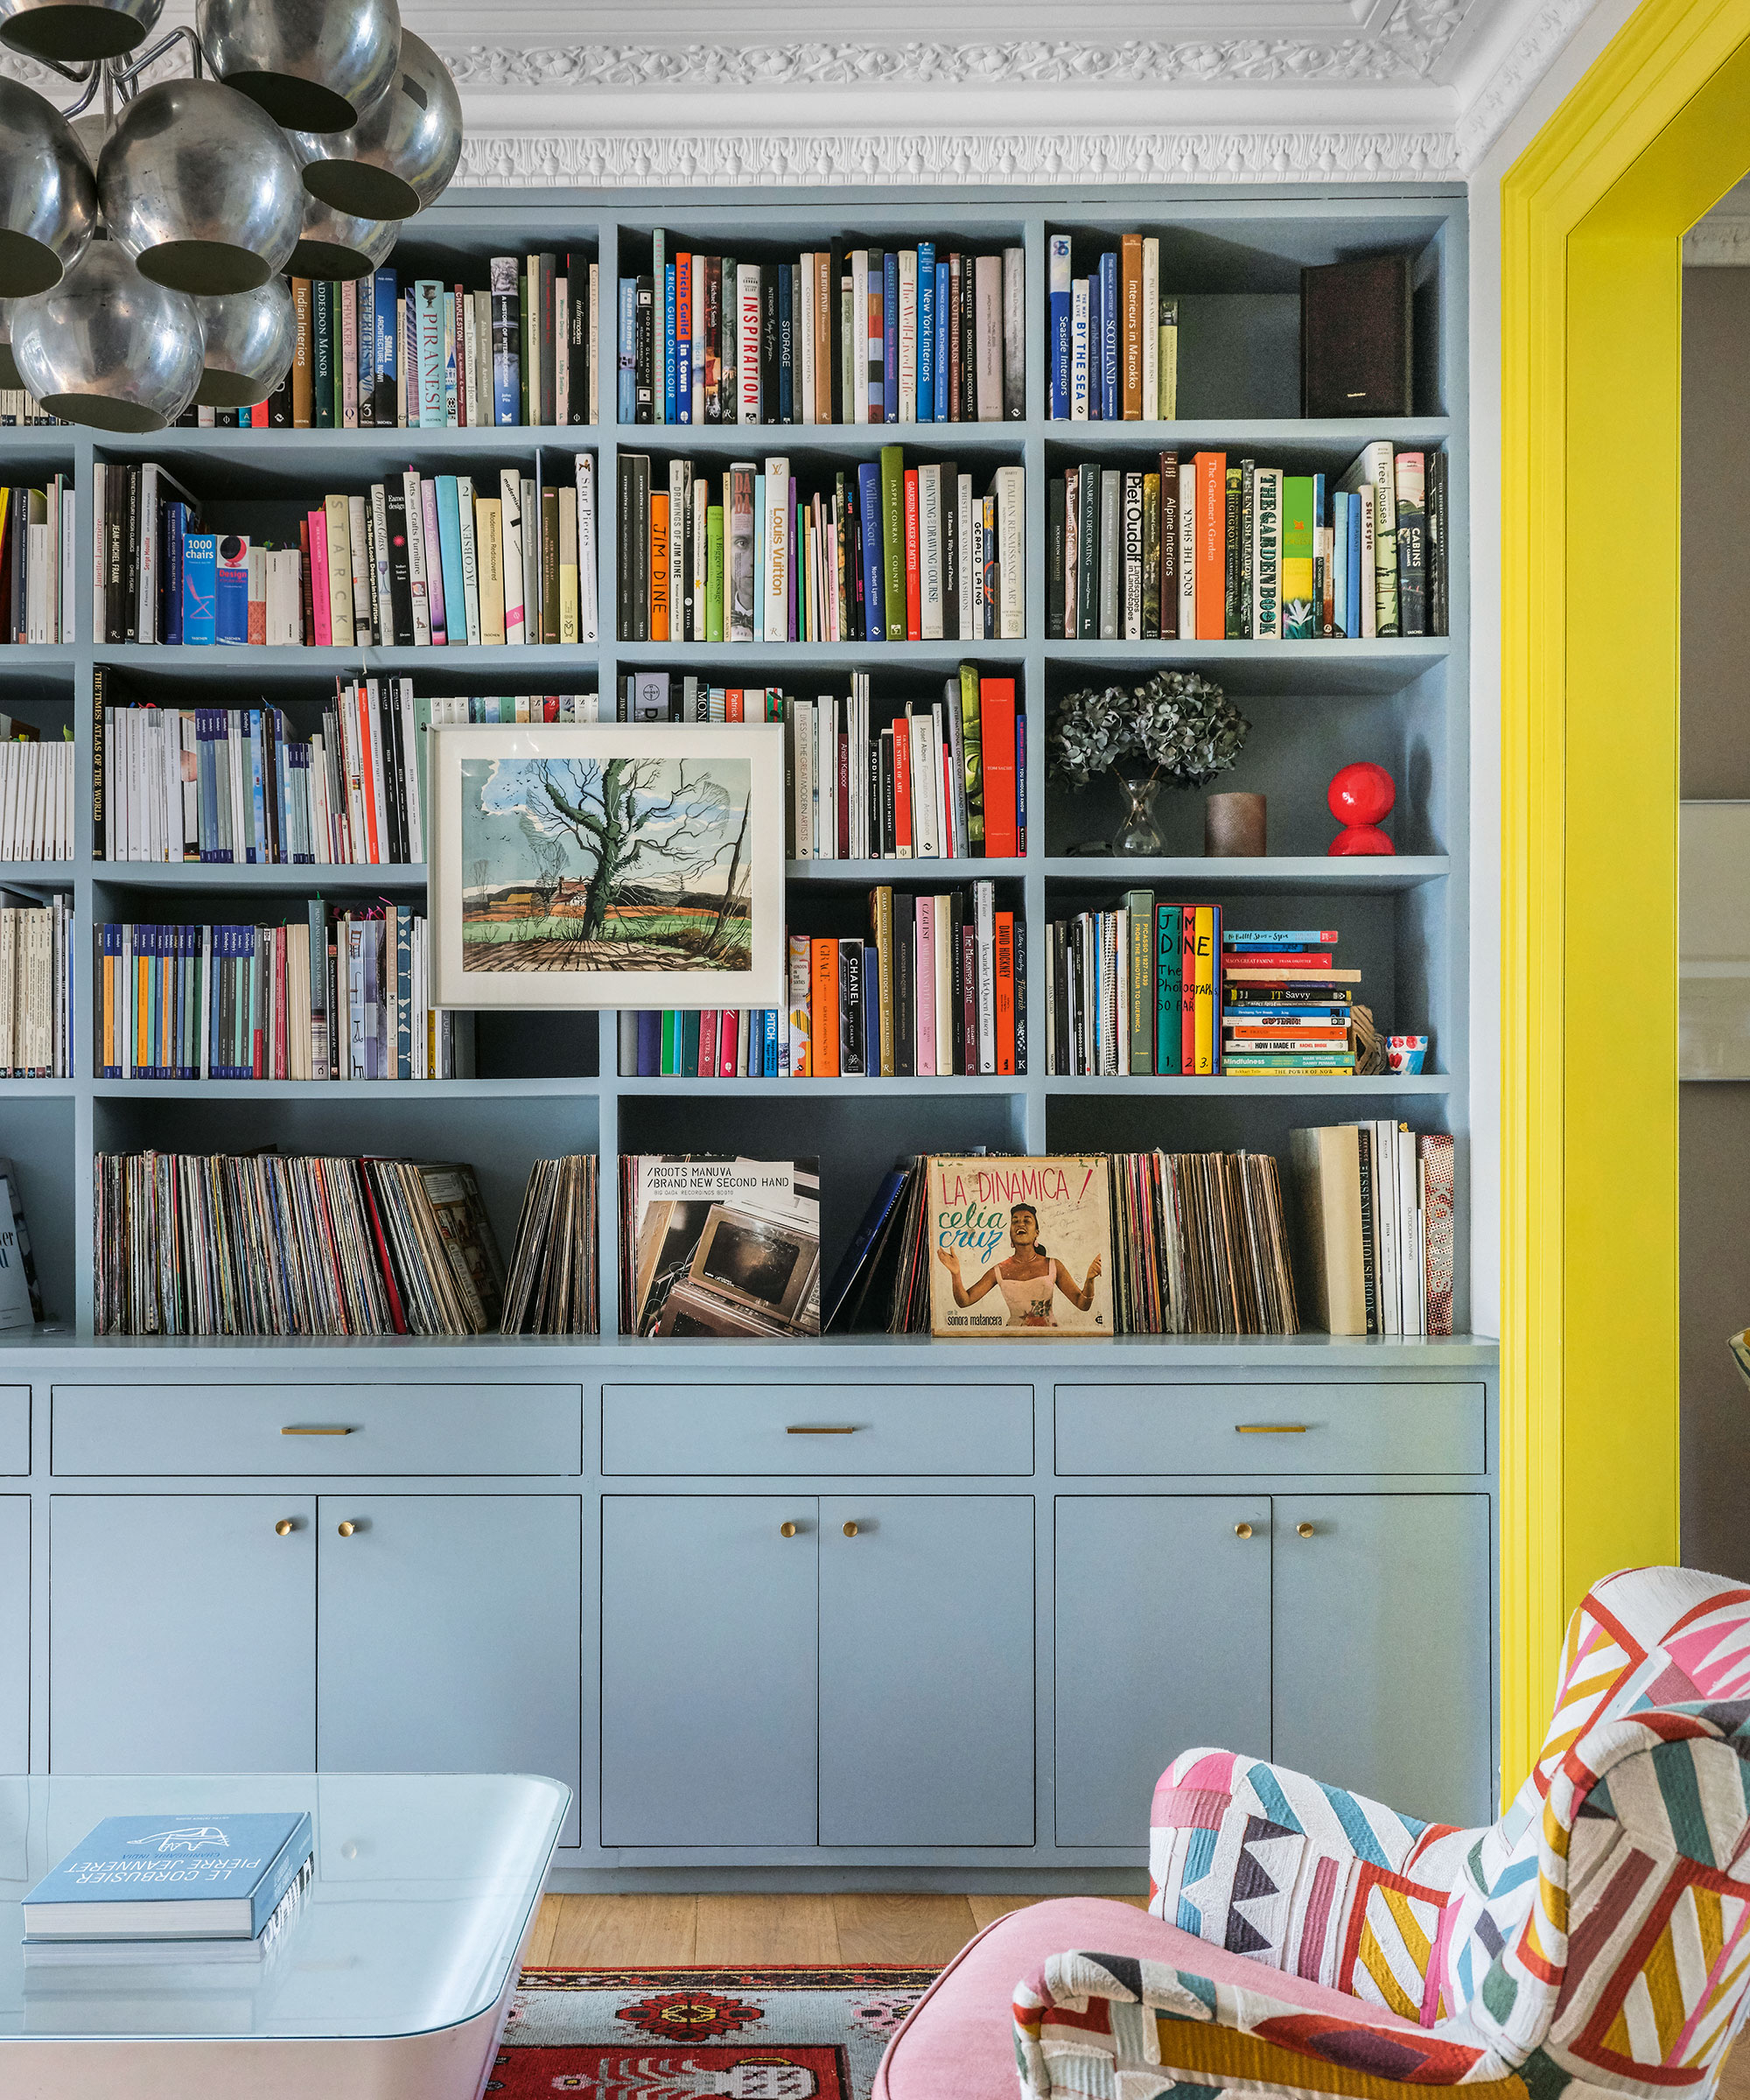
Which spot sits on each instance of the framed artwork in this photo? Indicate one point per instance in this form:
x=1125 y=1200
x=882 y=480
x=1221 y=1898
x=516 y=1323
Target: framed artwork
x=607 y=864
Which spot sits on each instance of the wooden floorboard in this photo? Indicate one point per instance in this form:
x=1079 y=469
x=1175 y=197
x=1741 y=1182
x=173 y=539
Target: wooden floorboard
x=1734 y=2078
x=929 y=1930
x=612 y=1932
x=758 y=1928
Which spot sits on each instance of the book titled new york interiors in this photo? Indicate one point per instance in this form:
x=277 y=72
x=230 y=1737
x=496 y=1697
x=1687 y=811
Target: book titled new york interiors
x=169 y=1877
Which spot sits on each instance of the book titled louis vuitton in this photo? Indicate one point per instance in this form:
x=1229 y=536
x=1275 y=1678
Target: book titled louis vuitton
x=171 y=1878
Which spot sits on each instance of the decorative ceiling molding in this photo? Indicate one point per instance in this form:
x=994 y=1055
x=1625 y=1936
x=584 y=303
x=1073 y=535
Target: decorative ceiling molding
x=1527 y=59
x=1718 y=243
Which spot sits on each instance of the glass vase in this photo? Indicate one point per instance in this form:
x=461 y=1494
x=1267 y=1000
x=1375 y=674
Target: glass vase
x=1138 y=834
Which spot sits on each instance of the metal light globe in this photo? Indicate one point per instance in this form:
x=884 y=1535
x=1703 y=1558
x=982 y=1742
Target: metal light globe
x=48 y=195
x=336 y=245
x=200 y=188
x=74 y=31
x=247 y=344
x=312 y=65
x=108 y=346
x=398 y=158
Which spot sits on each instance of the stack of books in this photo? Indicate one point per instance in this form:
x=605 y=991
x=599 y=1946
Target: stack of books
x=1113 y=347
x=36 y=794
x=554 y=1288
x=35 y=941
x=1200 y=1245
x=1205 y=547
x=1284 y=1003
x=36 y=548
x=877 y=552
x=717 y=1043
x=192 y=1244
x=419 y=561
x=1375 y=1206
x=915 y=334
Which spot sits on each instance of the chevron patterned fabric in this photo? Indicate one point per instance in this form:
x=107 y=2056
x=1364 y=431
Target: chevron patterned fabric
x=1597 y=1937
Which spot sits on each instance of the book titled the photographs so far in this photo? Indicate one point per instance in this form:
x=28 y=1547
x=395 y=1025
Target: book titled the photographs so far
x=1019 y=1248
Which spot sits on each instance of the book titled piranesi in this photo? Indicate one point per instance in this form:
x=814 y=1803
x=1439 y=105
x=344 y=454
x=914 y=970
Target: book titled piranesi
x=1020 y=1247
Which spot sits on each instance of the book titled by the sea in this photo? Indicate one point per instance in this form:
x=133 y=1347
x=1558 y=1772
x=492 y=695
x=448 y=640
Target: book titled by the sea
x=171 y=1877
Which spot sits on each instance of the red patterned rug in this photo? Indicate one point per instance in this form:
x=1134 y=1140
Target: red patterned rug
x=776 y=2033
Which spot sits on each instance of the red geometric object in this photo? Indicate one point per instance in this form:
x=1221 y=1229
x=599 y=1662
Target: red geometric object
x=1361 y=793
x=1361 y=838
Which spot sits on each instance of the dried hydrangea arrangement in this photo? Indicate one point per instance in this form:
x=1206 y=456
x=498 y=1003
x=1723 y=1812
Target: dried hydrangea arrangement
x=1178 y=725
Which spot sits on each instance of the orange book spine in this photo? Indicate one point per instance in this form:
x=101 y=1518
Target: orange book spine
x=734 y=704
x=915 y=589
x=1130 y=335
x=823 y=1003
x=659 y=565
x=1212 y=546
x=1005 y=991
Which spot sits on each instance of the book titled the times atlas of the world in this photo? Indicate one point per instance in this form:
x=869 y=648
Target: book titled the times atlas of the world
x=1020 y=1247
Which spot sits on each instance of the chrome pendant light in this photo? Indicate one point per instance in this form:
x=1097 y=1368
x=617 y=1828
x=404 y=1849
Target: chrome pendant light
x=249 y=340
x=335 y=246
x=108 y=346
x=200 y=187
x=75 y=32
x=400 y=155
x=48 y=195
x=312 y=65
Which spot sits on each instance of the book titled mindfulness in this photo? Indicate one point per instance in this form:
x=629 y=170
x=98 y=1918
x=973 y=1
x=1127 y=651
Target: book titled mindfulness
x=171 y=1878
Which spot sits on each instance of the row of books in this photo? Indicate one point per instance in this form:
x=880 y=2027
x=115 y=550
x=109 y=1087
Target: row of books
x=553 y=1286
x=36 y=940
x=18 y=408
x=1210 y=549
x=1200 y=1245
x=337 y=994
x=36 y=795
x=887 y=552
x=1377 y=1203
x=1114 y=344
x=841 y=335
x=1165 y=989
x=421 y=561
x=38 y=535
x=190 y=1243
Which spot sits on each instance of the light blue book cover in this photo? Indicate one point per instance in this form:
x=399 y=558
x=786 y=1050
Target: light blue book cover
x=450 y=553
x=926 y=412
x=943 y=361
x=670 y=366
x=181 y=1866
x=199 y=587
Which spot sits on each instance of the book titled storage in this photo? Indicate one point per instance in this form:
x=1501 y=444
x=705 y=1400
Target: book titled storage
x=171 y=1877
x=1020 y=1247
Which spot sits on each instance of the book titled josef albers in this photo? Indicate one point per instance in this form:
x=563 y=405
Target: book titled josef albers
x=1020 y=1247
x=171 y=1878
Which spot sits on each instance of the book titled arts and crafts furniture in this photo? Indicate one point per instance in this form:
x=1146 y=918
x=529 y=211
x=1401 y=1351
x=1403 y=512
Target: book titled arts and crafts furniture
x=218 y=1877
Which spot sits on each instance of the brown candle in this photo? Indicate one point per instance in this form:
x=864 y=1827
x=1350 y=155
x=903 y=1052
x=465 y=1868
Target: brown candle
x=1233 y=827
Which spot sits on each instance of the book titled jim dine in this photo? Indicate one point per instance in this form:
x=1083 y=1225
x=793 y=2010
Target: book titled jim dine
x=171 y=1877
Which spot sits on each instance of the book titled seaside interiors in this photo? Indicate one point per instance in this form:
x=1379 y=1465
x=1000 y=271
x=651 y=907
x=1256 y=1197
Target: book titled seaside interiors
x=1020 y=1247
x=171 y=1877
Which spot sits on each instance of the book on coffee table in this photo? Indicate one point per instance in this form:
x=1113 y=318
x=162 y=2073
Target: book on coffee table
x=170 y=1877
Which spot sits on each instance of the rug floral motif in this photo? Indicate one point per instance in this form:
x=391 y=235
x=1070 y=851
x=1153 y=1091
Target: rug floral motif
x=770 y=2033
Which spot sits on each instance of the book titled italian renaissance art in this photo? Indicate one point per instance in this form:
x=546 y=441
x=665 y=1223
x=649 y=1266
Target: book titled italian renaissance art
x=1020 y=1247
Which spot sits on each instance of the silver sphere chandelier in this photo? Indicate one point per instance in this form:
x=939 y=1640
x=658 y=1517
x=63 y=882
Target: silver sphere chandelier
x=141 y=249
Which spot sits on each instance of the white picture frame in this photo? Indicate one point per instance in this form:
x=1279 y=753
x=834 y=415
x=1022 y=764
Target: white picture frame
x=519 y=827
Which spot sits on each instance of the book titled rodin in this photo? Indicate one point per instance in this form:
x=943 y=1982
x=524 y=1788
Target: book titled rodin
x=171 y=1877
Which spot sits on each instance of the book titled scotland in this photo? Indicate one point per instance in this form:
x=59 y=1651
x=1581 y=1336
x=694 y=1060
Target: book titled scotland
x=171 y=1877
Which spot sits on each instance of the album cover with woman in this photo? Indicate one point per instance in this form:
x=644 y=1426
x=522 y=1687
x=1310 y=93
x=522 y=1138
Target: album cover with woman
x=1020 y=1247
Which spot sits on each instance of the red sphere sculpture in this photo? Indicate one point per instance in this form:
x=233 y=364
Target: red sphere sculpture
x=1358 y=796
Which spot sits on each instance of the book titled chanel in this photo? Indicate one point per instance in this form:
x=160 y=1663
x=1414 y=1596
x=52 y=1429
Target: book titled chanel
x=171 y=1878
x=1020 y=1247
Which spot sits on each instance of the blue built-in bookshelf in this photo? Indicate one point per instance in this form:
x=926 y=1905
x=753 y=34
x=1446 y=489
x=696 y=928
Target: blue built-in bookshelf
x=614 y=1502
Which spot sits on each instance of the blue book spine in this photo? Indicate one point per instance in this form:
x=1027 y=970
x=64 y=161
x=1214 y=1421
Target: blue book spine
x=200 y=588
x=874 y=567
x=1095 y=410
x=942 y=364
x=1354 y=617
x=258 y=849
x=384 y=367
x=649 y=1044
x=176 y=525
x=1108 y=339
x=890 y=337
x=787 y=349
x=771 y=1035
x=628 y=349
x=670 y=368
x=450 y=553
x=926 y=331
x=683 y=342
x=1062 y=305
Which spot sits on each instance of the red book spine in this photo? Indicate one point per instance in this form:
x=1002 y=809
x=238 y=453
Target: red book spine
x=1187 y=988
x=996 y=711
x=385 y=1267
x=304 y=576
x=1211 y=570
x=969 y=997
x=733 y=705
x=823 y=1002
x=708 y=1042
x=914 y=593
x=844 y=743
x=728 y=1034
x=902 y=789
x=1005 y=991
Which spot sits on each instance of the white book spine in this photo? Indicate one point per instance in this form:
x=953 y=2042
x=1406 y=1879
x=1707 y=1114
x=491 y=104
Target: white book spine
x=804 y=409
x=510 y=529
x=969 y=561
x=1187 y=550
x=907 y=411
x=1151 y=328
x=1012 y=554
x=587 y=614
x=747 y=341
x=416 y=561
x=929 y=550
x=148 y=612
x=779 y=551
x=1078 y=351
x=985 y=927
x=826 y=842
x=859 y=334
x=1369 y=598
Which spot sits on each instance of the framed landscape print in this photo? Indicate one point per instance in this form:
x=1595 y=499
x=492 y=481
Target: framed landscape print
x=607 y=864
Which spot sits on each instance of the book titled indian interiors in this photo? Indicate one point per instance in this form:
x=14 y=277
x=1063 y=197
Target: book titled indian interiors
x=172 y=1877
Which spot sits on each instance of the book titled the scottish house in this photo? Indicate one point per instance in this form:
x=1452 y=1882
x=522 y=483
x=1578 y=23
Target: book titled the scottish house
x=171 y=1877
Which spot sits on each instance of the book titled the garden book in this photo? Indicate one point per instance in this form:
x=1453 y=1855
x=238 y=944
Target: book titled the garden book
x=171 y=1877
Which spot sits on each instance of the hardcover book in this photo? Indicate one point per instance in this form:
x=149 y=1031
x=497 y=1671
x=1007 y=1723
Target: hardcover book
x=171 y=1877
x=1020 y=1247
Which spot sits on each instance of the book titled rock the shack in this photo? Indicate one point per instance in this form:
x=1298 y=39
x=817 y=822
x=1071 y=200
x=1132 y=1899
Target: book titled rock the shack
x=1020 y=1247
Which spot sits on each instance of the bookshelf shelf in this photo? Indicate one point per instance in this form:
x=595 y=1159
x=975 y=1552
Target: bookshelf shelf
x=922 y=874
x=781 y=658
x=1283 y=438
x=1311 y=669
x=491 y=669
x=798 y=1089
x=787 y=440
x=301 y=876
x=1396 y=1084
x=385 y=1091
x=1287 y=871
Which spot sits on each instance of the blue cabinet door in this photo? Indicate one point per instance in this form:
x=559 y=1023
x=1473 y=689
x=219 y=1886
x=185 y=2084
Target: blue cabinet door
x=452 y=1636
x=182 y=1633
x=1162 y=1622
x=709 y=1704
x=1381 y=1638
x=15 y=1633
x=926 y=1688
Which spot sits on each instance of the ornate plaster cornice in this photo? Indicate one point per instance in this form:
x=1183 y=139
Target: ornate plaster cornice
x=1526 y=60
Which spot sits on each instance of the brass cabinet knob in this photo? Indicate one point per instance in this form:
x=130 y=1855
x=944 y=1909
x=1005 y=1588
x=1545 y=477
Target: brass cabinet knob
x=787 y=1530
x=283 y=1526
x=1242 y=1530
x=348 y=1528
x=851 y=1530
x=1305 y=1530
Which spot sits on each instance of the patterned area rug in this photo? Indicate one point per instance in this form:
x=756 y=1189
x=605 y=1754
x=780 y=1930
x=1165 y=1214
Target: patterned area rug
x=790 y=2034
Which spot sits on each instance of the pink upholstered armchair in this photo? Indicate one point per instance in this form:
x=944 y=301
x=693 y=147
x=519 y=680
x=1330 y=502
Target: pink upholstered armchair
x=1301 y=1940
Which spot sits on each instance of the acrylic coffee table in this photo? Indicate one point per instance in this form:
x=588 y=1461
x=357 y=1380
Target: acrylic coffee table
x=392 y=1983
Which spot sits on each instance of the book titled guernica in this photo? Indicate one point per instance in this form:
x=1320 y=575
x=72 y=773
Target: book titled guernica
x=173 y=1878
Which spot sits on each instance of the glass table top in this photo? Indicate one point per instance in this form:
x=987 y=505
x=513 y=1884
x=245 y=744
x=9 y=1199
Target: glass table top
x=423 y=1888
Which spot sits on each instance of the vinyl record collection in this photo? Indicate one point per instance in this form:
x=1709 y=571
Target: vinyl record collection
x=36 y=940
x=36 y=795
x=261 y=1244
x=553 y=1286
x=37 y=552
x=1200 y=1245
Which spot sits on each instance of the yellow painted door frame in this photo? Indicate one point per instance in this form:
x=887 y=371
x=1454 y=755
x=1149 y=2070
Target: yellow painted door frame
x=1593 y=214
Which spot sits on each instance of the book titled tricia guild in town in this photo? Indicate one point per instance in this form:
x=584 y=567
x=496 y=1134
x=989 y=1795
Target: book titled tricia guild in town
x=1020 y=1247
x=172 y=1877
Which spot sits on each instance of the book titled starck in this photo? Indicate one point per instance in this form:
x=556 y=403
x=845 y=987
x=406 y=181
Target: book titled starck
x=171 y=1878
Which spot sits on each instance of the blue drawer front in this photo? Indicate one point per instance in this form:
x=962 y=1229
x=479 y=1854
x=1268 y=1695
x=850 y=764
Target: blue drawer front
x=15 y=1429
x=1271 y=1429
x=850 y=1429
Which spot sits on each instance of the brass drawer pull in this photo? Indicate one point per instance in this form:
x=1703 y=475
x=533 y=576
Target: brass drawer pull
x=1271 y=1429
x=315 y=1429
x=1242 y=1530
x=822 y=1429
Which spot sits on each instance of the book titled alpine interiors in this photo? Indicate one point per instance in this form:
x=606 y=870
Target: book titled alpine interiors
x=1020 y=1247
x=171 y=1877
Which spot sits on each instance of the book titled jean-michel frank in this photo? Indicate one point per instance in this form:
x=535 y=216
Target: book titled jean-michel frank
x=171 y=1878
x=1020 y=1247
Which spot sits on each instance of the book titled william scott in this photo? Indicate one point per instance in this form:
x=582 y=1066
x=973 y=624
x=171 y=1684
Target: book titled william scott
x=170 y=1877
